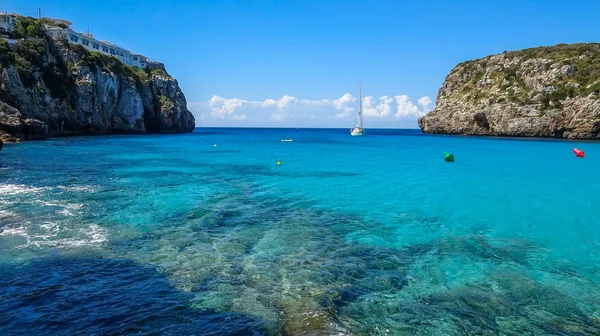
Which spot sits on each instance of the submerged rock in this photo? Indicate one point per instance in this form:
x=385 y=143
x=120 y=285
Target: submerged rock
x=538 y=92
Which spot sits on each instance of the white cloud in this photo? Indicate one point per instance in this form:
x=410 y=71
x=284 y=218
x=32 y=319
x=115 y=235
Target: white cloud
x=343 y=102
x=293 y=112
x=280 y=104
x=222 y=107
x=425 y=103
x=406 y=109
x=381 y=110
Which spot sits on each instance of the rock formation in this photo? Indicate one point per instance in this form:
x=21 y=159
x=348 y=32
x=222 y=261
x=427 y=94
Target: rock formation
x=52 y=88
x=538 y=92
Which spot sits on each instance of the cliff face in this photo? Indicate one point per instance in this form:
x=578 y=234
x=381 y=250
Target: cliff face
x=50 y=88
x=538 y=92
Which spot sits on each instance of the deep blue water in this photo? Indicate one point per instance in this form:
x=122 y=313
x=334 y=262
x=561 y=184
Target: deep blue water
x=373 y=235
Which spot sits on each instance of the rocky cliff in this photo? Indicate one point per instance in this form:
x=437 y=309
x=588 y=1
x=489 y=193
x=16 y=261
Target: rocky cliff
x=52 y=88
x=538 y=92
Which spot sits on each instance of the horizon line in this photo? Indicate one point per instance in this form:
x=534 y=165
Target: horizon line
x=291 y=127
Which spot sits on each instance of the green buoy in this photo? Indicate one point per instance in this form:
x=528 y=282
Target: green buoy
x=448 y=157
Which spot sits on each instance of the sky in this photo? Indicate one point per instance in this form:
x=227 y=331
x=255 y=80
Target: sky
x=298 y=63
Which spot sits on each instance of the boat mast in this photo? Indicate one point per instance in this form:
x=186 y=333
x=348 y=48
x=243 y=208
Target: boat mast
x=360 y=107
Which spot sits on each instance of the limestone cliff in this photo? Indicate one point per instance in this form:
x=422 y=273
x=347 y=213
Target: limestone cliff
x=53 y=88
x=538 y=92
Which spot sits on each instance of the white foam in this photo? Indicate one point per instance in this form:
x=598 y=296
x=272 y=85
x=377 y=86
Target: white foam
x=65 y=212
x=87 y=188
x=73 y=206
x=51 y=229
x=47 y=232
x=66 y=207
x=14 y=189
x=17 y=231
x=92 y=235
x=4 y=214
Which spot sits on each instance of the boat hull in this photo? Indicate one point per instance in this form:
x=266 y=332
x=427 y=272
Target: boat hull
x=356 y=132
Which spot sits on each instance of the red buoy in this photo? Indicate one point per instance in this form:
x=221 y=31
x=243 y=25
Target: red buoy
x=578 y=152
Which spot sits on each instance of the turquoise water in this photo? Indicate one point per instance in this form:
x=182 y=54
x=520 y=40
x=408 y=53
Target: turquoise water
x=348 y=236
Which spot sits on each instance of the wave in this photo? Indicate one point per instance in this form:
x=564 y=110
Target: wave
x=14 y=189
x=46 y=235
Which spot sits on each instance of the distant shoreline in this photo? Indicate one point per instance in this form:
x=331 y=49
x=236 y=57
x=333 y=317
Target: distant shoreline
x=413 y=132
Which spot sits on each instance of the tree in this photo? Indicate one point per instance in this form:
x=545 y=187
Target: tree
x=31 y=31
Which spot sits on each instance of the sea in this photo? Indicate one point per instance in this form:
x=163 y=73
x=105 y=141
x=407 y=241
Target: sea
x=206 y=234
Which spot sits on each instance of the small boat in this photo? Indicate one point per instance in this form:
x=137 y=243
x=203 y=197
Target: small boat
x=287 y=140
x=358 y=129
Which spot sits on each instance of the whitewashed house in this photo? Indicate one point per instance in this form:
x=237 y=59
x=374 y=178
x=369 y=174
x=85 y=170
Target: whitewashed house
x=6 y=23
x=61 y=28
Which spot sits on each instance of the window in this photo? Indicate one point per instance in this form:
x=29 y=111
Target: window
x=105 y=49
x=112 y=51
x=96 y=45
x=135 y=58
x=74 y=38
x=85 y=42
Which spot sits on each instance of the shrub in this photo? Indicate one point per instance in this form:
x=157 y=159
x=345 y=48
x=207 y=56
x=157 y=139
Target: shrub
x=138 y=75
x=165 y=102
x=25 y=70
x=27 y=27
x=31 y=31
x=591 y=88
x=33 y=50
x=99 y=61
x=159 y=72
x=510 y=73
x=28 y=57
x=6 y=54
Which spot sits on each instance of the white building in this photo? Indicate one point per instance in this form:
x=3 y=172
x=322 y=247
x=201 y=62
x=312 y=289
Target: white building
x=6 y=23
x=61 y=28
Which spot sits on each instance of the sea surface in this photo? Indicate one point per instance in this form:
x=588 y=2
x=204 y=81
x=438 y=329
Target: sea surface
x=373 y=235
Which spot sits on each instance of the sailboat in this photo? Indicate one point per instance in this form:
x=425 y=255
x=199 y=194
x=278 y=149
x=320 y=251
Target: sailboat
x=358 y=129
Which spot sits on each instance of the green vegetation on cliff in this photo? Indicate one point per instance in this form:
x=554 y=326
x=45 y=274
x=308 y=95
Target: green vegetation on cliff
x=538 y=92
x=542 y=75
x=29 y=57
x=159 y=72
x=28 y=27
x=109 y=64
x=34 y=46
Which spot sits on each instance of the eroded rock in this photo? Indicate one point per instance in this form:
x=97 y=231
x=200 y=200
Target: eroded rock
x=539 y=92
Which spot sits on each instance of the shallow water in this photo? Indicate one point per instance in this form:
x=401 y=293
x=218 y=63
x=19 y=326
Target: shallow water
x=365 y=236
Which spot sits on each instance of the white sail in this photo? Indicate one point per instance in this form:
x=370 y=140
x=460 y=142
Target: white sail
x=358 y=129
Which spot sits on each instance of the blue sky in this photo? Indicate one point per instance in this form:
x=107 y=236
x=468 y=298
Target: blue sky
x=297 y=63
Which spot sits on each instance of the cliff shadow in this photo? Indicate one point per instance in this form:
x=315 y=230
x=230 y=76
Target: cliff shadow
x=68 y=296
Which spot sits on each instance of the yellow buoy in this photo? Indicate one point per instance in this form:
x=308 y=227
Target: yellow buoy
x=278 y=163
